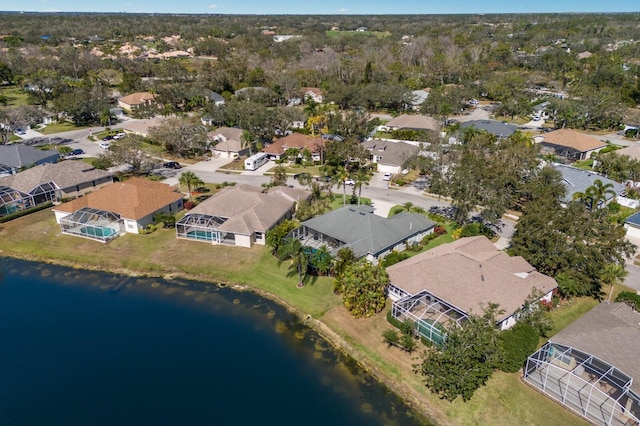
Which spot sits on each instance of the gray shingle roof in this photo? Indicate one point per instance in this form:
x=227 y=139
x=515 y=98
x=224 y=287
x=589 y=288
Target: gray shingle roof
x=391 y=153
x=497 y=128
x=65 y=174
x=19 y=156
x=365 y=232
x=634 y=220
x=611 y=332
x=578 y=180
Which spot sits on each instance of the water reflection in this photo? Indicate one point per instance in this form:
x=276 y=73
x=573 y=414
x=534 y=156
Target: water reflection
x=210 y=345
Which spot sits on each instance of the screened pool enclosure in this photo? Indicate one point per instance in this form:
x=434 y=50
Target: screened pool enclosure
x=12 y=200
x=430 y=315
x=202 y=227
x=585 y=384
x=95 y=224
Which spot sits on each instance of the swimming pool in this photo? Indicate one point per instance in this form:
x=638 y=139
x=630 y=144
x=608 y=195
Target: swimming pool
x=98 y=231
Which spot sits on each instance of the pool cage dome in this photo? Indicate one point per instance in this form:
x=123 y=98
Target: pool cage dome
x=95 y=224
x=12 y=200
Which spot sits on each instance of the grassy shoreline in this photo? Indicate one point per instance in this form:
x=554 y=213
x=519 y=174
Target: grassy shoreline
x=505 y=399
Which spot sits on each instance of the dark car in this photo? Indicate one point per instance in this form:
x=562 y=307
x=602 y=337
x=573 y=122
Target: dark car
x=77 y=151
x=107 y=138
x=172 y=165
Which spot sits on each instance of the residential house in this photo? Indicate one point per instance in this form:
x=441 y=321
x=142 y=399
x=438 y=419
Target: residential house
x=299 y=142
x=417 y=97
x=570 y=144
x=413 y=122
x=215 y=98
x=313 y=93
x=56 y=181
x=6 y=170
x=239 y=215
x=19 y=156
x=497 y=128
x=389 y=156
x=579 y=180
x=228 y=142
x=136 y=100
x=369 y=236
x=116 y=209
x=632 y=225
x=142 y=127
x=632 y=151
x=446 y=284
x=591 y=366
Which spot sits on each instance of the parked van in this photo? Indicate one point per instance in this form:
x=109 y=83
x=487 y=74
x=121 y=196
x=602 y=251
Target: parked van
x=256 y=161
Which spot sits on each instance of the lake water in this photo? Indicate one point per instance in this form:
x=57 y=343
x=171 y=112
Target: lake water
x=87 y=348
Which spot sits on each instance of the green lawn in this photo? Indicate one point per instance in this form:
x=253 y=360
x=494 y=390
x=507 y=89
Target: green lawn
x=15 y=96
x=58 y=127
x=570 y=311
x=584 y=164
x=504 y=401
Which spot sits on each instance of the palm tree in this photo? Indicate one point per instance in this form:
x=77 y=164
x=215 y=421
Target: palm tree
x=294 y=250
x=611 y=274
x=322 y=260
x=599 y=193
x=362 y=177
x=247 y=141
x=342 y=175
x=191 y=180
x=595 y=195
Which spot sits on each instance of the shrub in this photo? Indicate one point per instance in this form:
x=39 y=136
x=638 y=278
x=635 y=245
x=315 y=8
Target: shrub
x=439 y=230
x=21 y=213
x=630 y=299
x=408 y=343
x=390 y=337
x=516 y=345
x=188 y=205
x=476 y=228
x=393 y=258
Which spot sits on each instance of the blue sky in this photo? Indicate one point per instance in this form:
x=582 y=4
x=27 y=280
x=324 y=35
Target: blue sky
x=323 y=7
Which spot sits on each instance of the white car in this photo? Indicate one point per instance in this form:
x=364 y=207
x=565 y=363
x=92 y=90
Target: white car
x=349 y=182
x=536 y=118
x=105 y=145
x=387 y=176
x=119 y=136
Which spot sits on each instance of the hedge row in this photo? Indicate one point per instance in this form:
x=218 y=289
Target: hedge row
x=21 y=213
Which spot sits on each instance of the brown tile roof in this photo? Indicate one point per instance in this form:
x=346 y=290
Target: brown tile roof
x=469 y=273
x=65 y=174
x=611 y=332
x=248 y=209
x=141 y=127
x=632 y=151
x=230 y=139
x=572 y=139
x=419 y=122
x=294 y=140
x=132 y=199
x=137 y=98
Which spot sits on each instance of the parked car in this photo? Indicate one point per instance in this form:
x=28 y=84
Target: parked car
x=349 y=182
x=119 y=136
x=105 y=145
x=536 y=118
x=387 y=176
x=76 y=151
x=107 y=138
x=172 y=165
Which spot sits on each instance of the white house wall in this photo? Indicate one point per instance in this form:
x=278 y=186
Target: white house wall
x=243 y=240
